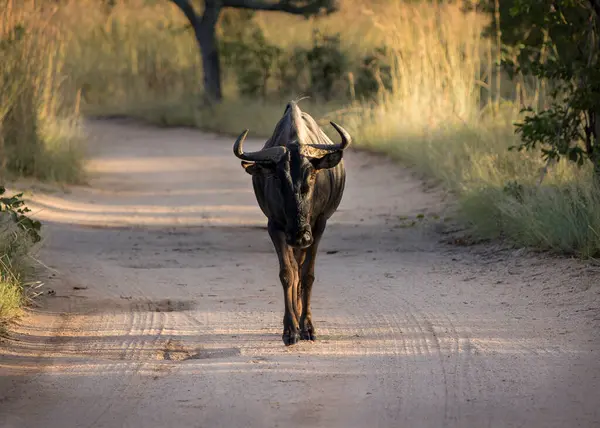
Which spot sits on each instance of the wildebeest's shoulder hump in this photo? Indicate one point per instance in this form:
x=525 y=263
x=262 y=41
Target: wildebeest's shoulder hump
x=283 y=130
x=314 y=133
x=298 y=125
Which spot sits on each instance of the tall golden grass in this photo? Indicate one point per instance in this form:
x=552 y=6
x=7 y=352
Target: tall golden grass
x=39 y=135
x=450 y=113
x=39 y=130
x=15 y=268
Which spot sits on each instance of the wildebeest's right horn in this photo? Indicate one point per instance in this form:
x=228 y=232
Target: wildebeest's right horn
x=346 y=140
x=272 y=154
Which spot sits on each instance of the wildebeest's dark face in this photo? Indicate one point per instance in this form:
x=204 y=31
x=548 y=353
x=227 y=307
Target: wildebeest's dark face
x=293 y=178
x=291 y=171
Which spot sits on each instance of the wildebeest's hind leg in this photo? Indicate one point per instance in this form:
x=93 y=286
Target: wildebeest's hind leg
x=307 y=278
x=288 y=274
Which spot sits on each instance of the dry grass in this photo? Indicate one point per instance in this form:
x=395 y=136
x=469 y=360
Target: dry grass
x=39 y=134
x=442 y=116
x=436 y=122
x=15 y=267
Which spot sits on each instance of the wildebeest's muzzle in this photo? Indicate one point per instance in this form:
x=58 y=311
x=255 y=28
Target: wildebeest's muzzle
x=299 y=238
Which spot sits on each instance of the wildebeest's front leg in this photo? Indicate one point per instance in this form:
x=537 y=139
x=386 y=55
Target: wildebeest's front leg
x=307 y=278
x=300 y=257
x=288 y=274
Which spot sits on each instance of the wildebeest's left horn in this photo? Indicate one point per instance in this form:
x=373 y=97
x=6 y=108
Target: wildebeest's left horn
x=272 y=154
x=346 y=140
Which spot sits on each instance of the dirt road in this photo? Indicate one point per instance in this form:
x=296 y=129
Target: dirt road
x=167 y=308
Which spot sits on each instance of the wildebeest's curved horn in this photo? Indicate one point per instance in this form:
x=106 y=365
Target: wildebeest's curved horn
x=272 y=154
x=346 y=140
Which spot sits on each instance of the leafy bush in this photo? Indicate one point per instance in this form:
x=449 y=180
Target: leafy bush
x=245 y=49
x=14 y=206
x=327 y=63
x=256 y=62
x=538 y=39
x=374 y=74
x=18 y=233
x=291 y=68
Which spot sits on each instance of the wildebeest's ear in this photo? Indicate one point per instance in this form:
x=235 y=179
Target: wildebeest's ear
x=328 y=161
x=258 y=168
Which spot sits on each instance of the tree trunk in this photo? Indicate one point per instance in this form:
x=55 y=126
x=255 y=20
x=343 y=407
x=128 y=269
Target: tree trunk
x=596 y=160
x=594 y=149
x=205 y=31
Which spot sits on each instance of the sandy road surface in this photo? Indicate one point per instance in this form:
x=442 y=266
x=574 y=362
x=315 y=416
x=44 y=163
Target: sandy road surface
x=167 y=309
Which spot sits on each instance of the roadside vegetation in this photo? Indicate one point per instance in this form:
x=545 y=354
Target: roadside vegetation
x=40 y=137
x=19 y=235
x=421 y=81
x=39 y=133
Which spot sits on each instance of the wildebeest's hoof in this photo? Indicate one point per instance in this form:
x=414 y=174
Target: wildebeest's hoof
x=290 y=338
x=308 y=335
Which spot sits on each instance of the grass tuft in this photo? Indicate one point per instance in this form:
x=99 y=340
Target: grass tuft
x=564 y=218
x=15 y=267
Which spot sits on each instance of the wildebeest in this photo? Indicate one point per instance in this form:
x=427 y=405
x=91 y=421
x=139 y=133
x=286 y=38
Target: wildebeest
x=298 y=179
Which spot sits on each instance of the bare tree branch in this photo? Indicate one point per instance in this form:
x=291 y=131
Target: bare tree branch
x=187 y=9
x=311 y=7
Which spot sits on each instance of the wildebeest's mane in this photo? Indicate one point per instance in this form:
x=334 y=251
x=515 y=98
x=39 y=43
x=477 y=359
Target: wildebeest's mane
x=296 y=125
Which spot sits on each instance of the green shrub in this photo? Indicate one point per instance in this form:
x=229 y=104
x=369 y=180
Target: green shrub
x=327 y=64
x=245 y=50
x=18 y=233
